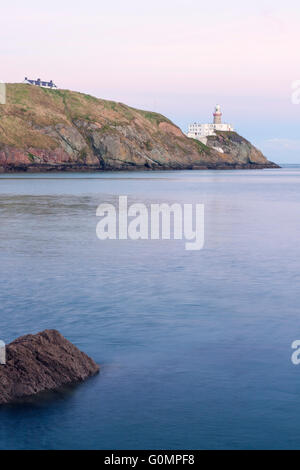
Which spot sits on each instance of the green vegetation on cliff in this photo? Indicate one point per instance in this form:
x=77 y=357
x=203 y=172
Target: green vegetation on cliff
x=42 y=129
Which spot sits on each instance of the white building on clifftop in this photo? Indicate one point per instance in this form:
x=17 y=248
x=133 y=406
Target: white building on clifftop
x=202 y=131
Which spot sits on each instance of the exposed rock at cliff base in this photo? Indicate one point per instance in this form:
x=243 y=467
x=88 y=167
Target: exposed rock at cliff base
x=236 y=148
x=62 y=130
x=42 y=362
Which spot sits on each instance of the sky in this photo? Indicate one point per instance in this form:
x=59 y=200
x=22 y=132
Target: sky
x=176 y=57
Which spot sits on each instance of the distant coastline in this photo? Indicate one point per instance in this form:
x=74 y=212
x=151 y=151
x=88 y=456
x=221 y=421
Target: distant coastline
x=60 y=130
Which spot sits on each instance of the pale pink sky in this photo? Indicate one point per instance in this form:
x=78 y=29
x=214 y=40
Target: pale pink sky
x=176 y=57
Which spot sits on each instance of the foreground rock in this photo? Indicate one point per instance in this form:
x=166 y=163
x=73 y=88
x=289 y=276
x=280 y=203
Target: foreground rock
x=41 y=362
x=61 y=130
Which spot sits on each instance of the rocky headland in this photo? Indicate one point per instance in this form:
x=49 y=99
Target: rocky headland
x=61 y=130
x=233 y=145
x=41 y=362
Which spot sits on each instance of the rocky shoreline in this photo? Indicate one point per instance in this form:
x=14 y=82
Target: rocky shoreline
x=79 y=169
x=32 y=169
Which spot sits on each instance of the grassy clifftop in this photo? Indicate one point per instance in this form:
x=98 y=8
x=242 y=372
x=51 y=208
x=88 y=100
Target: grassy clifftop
x=42 y=129
x=29 y=105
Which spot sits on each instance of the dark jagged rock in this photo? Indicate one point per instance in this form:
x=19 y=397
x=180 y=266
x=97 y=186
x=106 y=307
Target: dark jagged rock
x=42 y=362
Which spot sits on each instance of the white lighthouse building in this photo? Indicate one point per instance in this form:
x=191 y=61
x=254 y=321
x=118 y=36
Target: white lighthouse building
x=202 y=131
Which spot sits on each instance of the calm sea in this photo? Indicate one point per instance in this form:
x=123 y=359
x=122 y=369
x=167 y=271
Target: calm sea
x=194 y=346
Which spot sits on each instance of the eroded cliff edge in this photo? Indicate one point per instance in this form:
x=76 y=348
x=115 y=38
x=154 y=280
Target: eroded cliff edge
x=42 y=362
x=44 y=130
x=233 y=145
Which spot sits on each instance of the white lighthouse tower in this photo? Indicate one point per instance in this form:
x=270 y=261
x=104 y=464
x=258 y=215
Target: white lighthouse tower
x=217 y=115
x=201 y=131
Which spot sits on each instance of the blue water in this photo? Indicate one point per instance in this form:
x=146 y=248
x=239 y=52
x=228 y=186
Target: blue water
x=194 y=346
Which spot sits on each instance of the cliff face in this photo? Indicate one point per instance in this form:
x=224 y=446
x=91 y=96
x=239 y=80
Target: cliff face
x=237 y=147
x=42 y=130
x=45 y=361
